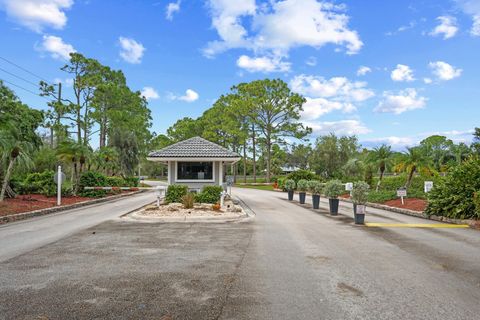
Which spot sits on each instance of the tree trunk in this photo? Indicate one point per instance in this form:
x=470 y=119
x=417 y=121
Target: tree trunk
x=6 y=179
x=269 y=159
x=245 y=162
x=75 y=175
x=254 y=155
x=382 y=170
x=410 y=176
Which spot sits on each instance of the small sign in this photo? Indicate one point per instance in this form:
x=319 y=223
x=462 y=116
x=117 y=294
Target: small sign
x=428 y=185
x=55 y=177
x=230 y=181
x=349 y=186
x=401 y=192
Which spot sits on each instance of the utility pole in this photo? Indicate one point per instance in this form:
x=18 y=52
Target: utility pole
x=59 y=102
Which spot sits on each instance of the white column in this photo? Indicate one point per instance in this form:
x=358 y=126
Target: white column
x=220 y=173
x=169 y=172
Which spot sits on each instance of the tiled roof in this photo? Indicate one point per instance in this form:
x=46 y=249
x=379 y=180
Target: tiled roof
x=195 y=147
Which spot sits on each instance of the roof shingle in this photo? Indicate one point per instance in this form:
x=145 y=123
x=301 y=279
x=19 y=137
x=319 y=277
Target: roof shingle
x=195 y=147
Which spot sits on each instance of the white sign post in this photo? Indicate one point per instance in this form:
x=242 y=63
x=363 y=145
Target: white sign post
x=349 y=186
x=428 y=185
x=402 y=192
x=59 y=186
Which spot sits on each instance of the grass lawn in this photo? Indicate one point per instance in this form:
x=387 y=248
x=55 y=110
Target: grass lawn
x=259 y=187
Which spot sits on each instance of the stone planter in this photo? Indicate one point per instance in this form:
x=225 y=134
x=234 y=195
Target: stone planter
x=301 y=196
x=333 y=203
x=290 y=195
x=359 y=213
x=316 y=201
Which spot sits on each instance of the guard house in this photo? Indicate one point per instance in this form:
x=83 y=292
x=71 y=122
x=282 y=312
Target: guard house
x=195 y=162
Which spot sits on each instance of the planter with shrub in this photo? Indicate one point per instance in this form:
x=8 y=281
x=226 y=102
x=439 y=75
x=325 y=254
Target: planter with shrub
x=359 y=198
x=209 y=194
x=302 y=186
x=175 y=192
x=315 y=188
x=332 y=190
x=290 y=187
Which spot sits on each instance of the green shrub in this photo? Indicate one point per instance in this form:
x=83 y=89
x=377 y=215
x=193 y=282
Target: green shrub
x=92 y=179
x=115 y=181
x=315 y=187
x=416 y=189
x=188 y=200
x=302 y=185
x=381 y=196
x=40 y=182
x=175 y=192
x=290 y=184
x=360 y=192
x=301 y=174
x=131 y=181
x=333 y=189
x=453 y=197
x=281 y=183
x=209 y=194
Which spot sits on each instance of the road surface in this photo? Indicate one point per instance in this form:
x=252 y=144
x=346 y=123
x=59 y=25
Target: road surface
x=289 y=262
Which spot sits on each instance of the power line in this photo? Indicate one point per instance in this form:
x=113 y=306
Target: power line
x=28 y=90
x=18 y=77
x=24 y=69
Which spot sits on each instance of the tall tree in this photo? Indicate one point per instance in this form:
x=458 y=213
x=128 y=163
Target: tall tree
x=381 y=157
x=277 y=113
x=414 y=159
x=183 y=129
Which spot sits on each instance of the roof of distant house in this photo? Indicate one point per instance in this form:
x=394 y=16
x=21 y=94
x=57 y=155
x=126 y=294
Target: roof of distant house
x=195 y=147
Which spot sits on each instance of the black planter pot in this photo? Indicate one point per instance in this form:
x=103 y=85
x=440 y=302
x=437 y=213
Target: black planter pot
x=290 y=195
x=333 y=206
x=359 y=215
x=316 y=201
x=301 y=196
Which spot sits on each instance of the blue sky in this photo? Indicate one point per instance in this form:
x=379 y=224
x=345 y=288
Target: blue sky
x=388 y=71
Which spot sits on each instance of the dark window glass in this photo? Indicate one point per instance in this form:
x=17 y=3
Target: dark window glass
x=195 y=171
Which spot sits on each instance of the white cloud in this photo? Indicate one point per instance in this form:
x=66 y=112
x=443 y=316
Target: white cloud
x=444 y=71
x=342 y=127
x=472 y=8
x=402 y=73
x=311 y=61
x=262 y=64
x=38 y=14
x=131 y=51
x=276 y=27
x=171 y=9
x=405 y=100
x=427 y=80
x=336 y=87
x=447 y=27
x=363 y=70
x=314 y=108
x=67 y=81
x=189 y=96
x=475 y=31
x=56 y=47
x=149 y=93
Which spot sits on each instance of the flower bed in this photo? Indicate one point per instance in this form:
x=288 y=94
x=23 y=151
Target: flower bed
x=30 y=202
x=199 y=209
x=409 y=203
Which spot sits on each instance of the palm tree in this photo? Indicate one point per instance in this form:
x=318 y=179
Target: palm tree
x=74 y=153
x=381 y=157
x=13 y=151
x=414 y=160
x=106 y=158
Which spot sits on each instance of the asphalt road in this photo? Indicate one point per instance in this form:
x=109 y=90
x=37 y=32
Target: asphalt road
x=289 y=262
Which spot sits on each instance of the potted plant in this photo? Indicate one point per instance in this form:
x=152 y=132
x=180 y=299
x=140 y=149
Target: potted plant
x=302 y=186
x=332 y=190
x=315 y=188
x=359 y=198
x=290 y=187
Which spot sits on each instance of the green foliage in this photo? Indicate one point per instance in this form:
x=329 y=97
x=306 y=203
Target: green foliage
x=360 y=192
x=188 y=200
x=131 y=181
x=175 y=192
x=290 y=184
x=301 y=174
x=281 y=183
x=416 y=189
x=40 y=182
x=381 y=196
x=92 y=179
x=209 y=194
x=454 y=196
x=115 y=181
x=302 y=185
x=315 y=187
x=476 y=202
x=333 y=189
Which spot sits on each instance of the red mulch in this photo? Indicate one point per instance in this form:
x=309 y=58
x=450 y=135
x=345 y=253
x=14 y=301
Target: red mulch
x=30 y=202
x=410 y=203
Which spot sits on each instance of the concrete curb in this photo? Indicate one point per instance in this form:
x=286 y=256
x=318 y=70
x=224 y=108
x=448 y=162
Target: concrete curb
x=198 y=219
x=42 y=212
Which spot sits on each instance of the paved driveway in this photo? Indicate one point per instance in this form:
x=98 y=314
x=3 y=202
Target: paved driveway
x=287 y=263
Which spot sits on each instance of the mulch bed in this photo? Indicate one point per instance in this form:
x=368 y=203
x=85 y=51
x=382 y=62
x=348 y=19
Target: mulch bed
x=30 y=202
x=410 y=203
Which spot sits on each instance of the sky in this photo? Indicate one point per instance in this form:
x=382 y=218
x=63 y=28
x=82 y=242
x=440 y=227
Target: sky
x=387 y=71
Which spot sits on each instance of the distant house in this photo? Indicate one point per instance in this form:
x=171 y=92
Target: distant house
x=289 y=169
x=195 y=162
